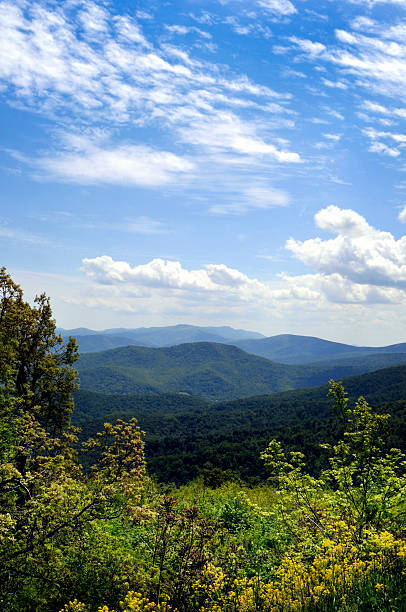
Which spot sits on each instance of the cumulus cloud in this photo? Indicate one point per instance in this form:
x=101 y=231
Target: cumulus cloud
x=361 y=266
x=166 y=274
x=337 y=289
x=156 y=273
x=358 y=268
x=359 y=253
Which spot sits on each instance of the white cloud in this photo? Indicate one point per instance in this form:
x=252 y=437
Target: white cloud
x=383 y=110
x=400 y=138
x=335 y=84
x=378 y=146
x=165 y=274
x=313 y=49
x=336 y=289
x=227 y=132
x=372 y=57
x=282 y=7
x=402 y=215
x=182 y=30
x=274 y=7
x=80 y=60
x=125 y=164
x=144 y=225
x=18 y=235
x=222 y=285
x=358 y=277
x=256 y=197
x=374 y=2
x=359 y=253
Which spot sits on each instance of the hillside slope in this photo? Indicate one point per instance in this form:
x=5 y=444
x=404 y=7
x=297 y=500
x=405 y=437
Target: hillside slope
x=292 y=349
x=211 y=370
x=185 y=434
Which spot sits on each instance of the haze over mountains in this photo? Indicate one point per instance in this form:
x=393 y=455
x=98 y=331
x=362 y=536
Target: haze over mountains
x=290 y=349
x=283 y=348
x=91 y=341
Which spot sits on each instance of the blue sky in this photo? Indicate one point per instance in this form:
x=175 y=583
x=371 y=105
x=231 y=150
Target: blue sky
x=208 y=162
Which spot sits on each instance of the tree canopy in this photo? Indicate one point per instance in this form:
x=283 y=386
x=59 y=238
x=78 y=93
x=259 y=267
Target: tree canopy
x=47 y=505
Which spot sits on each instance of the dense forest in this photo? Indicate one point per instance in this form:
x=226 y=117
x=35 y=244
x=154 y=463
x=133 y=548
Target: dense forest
x=284 y=502
x=215 y=371
x=186 y=434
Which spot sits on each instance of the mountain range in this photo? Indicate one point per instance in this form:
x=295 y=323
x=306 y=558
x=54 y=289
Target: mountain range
x=283 y=348
x=214 y=371
x=218 y=402
x=92 y=341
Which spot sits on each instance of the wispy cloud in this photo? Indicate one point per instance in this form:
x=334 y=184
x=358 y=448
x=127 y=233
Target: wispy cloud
x=125 y=164
x=281 y=7
x=80 y=60
x=19 y=235
x=144 y=225
x=183 y=30
x=402 y=215
x=253 y=198
x=374 y=2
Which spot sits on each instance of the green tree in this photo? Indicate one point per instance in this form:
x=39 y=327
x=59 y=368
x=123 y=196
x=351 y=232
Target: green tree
x=364 y=484
x=47 y=505
x=34 y=362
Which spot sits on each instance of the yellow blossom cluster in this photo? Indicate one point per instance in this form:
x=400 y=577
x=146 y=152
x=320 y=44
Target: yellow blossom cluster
x=334 y=570
x=133 y=602
x=337 y=566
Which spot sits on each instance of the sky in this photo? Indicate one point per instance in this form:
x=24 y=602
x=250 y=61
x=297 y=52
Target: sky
x=211 y=162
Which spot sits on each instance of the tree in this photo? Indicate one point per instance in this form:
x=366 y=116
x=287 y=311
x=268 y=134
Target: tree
x=47 y=504
x=34 y=361
x=364 y=482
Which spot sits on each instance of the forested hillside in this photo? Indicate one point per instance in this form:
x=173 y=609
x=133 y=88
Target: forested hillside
x=211 y=370
x=291 y=349
x=183 y=434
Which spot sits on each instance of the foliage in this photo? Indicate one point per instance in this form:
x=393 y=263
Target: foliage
x=47 y=506
x=365 y=486
x=186 y=435
x=109 y=538
x=211 y=370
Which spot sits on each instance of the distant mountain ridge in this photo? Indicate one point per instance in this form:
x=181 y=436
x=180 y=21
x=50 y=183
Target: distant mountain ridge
x=213 y=371
x=155 y=337
x=284 y=348
x=292 y=349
